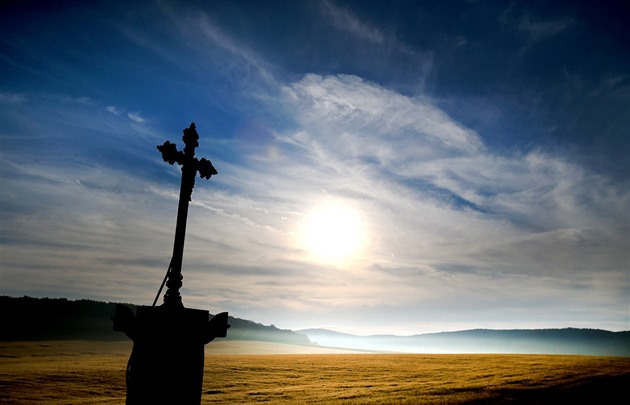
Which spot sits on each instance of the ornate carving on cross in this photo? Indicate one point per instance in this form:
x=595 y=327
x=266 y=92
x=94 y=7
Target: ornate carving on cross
x=190 y=166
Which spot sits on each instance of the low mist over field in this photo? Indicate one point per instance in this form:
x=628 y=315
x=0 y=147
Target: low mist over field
x=553 y=341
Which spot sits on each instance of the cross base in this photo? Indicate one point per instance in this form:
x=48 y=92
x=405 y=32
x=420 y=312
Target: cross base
x=167 y=359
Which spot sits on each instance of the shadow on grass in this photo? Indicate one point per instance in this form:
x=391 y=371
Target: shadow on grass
x=596 y=390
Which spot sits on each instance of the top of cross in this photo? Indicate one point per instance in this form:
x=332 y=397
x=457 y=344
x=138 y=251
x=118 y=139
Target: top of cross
x=171 y=155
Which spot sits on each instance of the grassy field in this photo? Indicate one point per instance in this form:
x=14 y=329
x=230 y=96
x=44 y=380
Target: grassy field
x=89 y=373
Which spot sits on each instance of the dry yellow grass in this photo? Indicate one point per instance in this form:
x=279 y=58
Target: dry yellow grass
x=88 y=373
x=386 y=379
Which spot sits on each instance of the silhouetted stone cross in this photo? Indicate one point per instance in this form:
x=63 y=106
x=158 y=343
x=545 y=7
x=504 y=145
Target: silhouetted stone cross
x=190 y=166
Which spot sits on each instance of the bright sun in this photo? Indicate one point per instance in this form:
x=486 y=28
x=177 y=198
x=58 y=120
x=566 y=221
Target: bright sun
x=333 y=232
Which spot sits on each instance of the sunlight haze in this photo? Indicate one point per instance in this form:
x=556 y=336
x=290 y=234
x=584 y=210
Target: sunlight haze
x=334 y=232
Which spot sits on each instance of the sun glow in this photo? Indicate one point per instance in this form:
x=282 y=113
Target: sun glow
x=333 y=232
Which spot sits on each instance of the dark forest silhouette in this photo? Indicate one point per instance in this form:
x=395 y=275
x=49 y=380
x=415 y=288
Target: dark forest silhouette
x=63 y=319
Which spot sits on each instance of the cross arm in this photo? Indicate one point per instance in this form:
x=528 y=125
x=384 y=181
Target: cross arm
x=170 y=153
x=205 y=168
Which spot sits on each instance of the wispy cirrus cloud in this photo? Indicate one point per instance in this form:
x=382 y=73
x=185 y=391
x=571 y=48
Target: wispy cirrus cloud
x=113 y=109
x=196 y=30
x=387 y=53
x=538 y=29
x=12 y=98
x=444 y=206
x=351 y=106
x=449 y=188
x=345 y=20
x=535 y=29
x=135 y=117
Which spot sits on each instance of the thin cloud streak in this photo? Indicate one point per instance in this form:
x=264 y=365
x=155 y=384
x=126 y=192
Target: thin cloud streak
x=346 y=21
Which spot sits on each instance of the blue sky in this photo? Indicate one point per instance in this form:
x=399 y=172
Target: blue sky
x=384 y=167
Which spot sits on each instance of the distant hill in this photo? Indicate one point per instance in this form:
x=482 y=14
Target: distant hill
x=29 y=318
x=540 y=341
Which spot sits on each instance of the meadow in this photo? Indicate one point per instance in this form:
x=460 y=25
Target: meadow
x=93 y=373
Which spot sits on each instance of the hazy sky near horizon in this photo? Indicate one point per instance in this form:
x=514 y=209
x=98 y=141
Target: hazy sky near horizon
x=384 y=166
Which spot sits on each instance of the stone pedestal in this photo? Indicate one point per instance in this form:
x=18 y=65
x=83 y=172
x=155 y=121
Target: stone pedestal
x=166 y=363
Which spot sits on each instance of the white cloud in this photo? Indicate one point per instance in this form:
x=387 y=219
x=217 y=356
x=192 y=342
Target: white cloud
x=366 y=120
x=198 y=31
x=534 y=29
x=379 y=47
x=344 y=20
x=12 y=98
x=538 y=30
x=135 y=117
x=112 y=109
x=438 y=197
